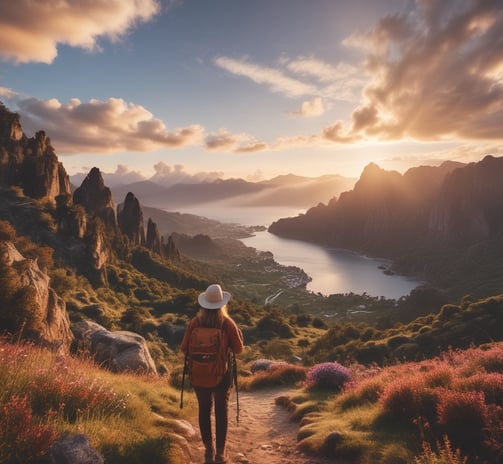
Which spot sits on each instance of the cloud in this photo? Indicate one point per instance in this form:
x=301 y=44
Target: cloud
x=121 y=176
x=31 y=30
x=311 y=108
x=436 y=73
x=7 y=93
x=167 y=175
x=102 y=126
x=324 y=72
x=276 y=80
x=237 y=143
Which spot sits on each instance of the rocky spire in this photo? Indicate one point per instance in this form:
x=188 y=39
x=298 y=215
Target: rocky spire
x=153 y=237
x=171 y=252
x=96 y=198
x=130 y=219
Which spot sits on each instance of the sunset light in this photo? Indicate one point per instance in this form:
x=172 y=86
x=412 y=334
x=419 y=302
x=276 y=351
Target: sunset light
x=285 y=86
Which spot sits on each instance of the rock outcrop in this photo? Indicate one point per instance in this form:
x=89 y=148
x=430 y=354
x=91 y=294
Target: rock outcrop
x=153 y=241
x=130 y=220
x=29 y=163
x=96 y=198
x=171 y=251
x=120 y=351
x=40 y=314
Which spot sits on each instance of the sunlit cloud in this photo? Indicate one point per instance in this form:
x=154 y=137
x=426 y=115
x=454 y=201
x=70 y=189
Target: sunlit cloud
x=435 y=75
x=225 y=141
x=323 y=71
x=7 y=93
x=32 y=30
x=276 y=80
x=102 y=126
x=310 y=108
x=167 y=175
x=122 y=175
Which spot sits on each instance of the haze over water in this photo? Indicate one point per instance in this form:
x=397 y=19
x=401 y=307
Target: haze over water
x=332 y=270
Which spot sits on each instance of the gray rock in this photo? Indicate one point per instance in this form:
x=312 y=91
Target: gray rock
x=74 y=450
x=120 y=351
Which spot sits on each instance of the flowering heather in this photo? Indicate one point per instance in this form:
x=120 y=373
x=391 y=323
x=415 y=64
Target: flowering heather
x=464 y=417
x=21 y=434
x=329 y=376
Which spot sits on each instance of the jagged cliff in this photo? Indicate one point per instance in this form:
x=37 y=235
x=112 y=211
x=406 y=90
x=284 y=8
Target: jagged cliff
x=431 y=221
x=29 y=163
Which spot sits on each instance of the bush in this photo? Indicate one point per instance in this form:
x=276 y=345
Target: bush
x=329 y=375
x=279 y=373
x=402 y=398
x=464 y=417
x=22 y=438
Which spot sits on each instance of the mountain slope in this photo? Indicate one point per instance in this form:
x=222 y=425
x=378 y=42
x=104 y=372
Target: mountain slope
x=443 y=224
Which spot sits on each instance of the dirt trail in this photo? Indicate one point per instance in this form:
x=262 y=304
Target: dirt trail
x=264 y=434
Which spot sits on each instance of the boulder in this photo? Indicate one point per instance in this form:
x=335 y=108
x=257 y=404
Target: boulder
x=74 y=449
x=119 y=351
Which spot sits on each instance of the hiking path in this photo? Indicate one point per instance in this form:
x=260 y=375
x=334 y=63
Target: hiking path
x=265 y=433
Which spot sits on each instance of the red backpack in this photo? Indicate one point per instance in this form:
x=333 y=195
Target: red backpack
x=208 y=355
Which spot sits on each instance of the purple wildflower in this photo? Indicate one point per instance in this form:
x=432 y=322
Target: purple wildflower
x=328 y=375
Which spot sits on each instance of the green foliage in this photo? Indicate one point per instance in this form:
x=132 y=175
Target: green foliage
x=45 y=395
x=457 y=326
x=152 y=266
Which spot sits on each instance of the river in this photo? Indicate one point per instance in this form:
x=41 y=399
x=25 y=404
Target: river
x=332 y=270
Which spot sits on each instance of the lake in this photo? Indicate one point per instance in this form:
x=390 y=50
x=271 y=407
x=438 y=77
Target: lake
x=332 y=270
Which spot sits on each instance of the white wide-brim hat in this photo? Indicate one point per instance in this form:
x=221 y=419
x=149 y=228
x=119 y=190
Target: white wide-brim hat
x=214 y=297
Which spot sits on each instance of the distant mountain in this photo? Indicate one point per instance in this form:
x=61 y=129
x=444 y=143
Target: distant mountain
x=288 y=191
x=442 y=223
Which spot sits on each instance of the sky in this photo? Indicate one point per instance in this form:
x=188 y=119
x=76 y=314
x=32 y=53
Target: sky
x=190 y=90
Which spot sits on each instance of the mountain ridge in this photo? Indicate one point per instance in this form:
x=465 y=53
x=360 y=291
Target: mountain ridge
x=430 y=221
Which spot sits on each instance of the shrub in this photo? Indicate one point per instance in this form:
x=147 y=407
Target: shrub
x=366 y=391
x=439 y=376
x=489 y=383
x=329 y=375
x=464 y=417
x=318 y=323
x=402 y=398
x=445 y=454
x=279 y=373
x=22 y=438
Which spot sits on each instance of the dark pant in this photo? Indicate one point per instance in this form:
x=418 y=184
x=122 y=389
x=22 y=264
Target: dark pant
x=205 y=397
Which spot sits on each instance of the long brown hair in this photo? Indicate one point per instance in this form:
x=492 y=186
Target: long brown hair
x=212 y=317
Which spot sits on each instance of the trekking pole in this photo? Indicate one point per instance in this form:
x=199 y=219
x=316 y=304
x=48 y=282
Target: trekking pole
x=185 y=361
x=235 y=375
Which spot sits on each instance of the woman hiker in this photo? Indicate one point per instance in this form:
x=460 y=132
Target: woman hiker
x=208 y=354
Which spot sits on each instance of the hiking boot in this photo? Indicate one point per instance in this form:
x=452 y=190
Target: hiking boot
x=220 y=456
x=208 y=455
